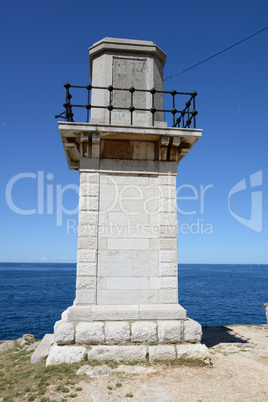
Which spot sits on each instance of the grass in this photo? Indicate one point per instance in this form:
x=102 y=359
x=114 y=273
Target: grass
x=19 y=379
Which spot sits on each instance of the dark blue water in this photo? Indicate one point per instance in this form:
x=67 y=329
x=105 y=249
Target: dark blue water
x=33 y=296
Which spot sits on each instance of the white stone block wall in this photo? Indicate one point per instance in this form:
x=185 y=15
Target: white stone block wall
x=127 y=332
x=87 y=239
x=136 y=263
x=127 y=239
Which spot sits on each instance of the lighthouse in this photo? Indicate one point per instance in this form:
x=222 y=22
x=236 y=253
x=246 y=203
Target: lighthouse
x=126 y=305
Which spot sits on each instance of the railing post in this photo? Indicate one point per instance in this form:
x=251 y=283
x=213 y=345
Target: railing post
x=110 y=107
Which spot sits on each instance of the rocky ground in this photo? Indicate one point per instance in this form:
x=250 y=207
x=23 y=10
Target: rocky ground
x=238 y=371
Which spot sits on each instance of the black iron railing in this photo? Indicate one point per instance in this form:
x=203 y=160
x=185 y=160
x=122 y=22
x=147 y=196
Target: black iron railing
x=185 y=117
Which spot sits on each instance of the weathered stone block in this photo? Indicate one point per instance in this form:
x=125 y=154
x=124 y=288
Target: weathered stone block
x=128 y=244
x=86 y=282
x=162 y=352
x=167 y=180
x=89 y=333
x=85 y=296
x=64 y=315
x=192 y=331
x=64 y=332
x=79 y=313
x=169 y=331
x=88 y=230
x=144 y=332
x=169 y=282
x=168 y=256
x=89 y=189
x=168 y=296
x=86 y=255
x=168 y=192
x=162 y=312
x=167 y=205
x=128 y=296
x=168 y=268
x=195 y=352
x=168 y=244
x=88 y=203
x=65 y=354
x=88 y=177
x=113 y=263
x=87 y=242
x=117 y=333
x=86 y=268
x=154 y=282
x=168 y=231
x=118 y=353
x=127 y=282
x=168 y=219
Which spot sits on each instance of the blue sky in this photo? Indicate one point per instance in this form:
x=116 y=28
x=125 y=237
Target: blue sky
x=44 y=44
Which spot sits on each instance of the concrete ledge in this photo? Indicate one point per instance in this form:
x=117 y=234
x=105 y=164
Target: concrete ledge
x=42 y=350
x=90 y=313
x=115 y=313
x=162 y=312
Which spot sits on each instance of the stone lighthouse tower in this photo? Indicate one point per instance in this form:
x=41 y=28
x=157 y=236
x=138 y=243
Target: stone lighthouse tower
x=127 y=157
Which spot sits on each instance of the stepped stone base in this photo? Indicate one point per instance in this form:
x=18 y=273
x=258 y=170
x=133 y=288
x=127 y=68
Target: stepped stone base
x=126 y=333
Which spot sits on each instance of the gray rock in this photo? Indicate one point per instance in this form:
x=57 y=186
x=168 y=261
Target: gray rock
x=95 y=372
x=6 y=346
x=26 y=340
x=134 y=369
x=33 y=346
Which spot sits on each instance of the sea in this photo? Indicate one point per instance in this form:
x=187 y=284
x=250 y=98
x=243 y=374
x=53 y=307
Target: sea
x=33 y=296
